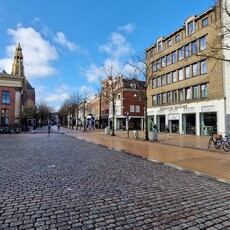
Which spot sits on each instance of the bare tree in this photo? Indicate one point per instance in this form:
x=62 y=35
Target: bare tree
x=142 y=71
x=111 y=75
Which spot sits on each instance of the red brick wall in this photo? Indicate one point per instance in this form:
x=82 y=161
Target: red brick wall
x=11 y=106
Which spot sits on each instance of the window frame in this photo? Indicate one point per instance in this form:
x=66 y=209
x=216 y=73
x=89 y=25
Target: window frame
x=5 y=97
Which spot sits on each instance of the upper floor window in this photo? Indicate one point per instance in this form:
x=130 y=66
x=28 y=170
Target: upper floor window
x=174 y=76
x=133 y=86
x=168 y=59
x=202 y=43
x=180 y=54
x=177 y=39
x=154 y=66
x=169 y=99
x=174 y=96
x=180 y=95
x=204 y=22
x=131 y=108
x=174 y=57
x=160 y=46
x=169 y=43
x=163 y=98
x=154 y=83
x=190 y=27
x=5 y=97
x=194 y=47
x=158 y=64
x=203 y=67
x=203 y=91
x=195 y=92
x=181 y=74
x=163 y=82
x=187 y=51
x=154 y=99
x=187 y=94
x=158 y=99
x=151 y=53
x=194 y=69
x=138 y=109
x=118 y=97
x=163 y=61
x=158 y=81
x=169 y=78
x=187 y=72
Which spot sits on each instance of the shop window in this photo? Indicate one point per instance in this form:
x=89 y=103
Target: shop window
x=5 y=117
x=5 y=97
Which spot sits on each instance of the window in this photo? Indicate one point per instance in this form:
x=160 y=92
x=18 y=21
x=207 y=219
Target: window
x=187 y=51
x=174 y=96
x=118 y=97
x=177 y=38
x=163 y=98
x=174 y=58
x=158 y=99
x=203 y=67
x=168 y=59
x=187 y=94
x=203 y=92
x=137 y=109
x=169 y=99
x=174 y=76
x=154 y=67
x=169 y=43
x=131 y=108
x=154 y=99
x=169 y=78
x=151 y=53
x=160 y=46
x=190 y=27
x=158 y=81
x=195 y=92
x=5 y=117
x=181 y=74
x=202 y=43
x=204 y=22
x=194 y=47
x=5 y=97
x=180 y=54
x=133 y=86
x=187 y=72
x=158 y=64
x=154 y=83
x=180 y=95
x=163 y=80
x=194 y=69
x=163 y=61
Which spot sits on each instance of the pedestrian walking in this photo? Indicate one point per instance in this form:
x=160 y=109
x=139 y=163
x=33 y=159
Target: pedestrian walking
x=166 y=132
x=48 y=128
x=58 y=127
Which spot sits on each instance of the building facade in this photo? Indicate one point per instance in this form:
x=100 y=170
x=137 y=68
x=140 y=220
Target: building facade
x=128 y=98
x=15 y=91
x=188 y=90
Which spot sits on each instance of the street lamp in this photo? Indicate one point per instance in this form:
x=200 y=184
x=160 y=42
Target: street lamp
x=127 y=123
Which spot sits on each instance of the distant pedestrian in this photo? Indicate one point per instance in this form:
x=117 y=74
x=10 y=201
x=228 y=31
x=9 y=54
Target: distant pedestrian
x=48 y=128
x=166 y=132
x=58 y=127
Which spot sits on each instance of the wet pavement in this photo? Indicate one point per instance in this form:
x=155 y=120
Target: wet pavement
x=61 y=182
x=179 y=151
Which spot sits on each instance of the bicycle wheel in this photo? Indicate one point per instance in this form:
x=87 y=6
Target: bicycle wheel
x=226 y=146
x=218 y=144
x=210 y=142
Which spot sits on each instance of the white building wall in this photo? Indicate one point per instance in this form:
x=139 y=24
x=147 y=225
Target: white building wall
x=176 y=112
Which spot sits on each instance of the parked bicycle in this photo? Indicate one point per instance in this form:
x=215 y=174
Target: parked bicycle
x=219 y=141
x=216 y=140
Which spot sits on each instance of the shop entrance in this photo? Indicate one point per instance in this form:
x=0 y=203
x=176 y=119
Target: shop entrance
x=208 y=123
x=174 y=126
x=189 y=124
x=161 y=123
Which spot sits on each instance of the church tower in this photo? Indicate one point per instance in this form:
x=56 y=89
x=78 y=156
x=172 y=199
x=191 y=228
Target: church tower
x=18 y=68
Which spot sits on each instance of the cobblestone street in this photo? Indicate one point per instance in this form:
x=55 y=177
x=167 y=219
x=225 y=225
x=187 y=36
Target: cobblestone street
x=59 y=182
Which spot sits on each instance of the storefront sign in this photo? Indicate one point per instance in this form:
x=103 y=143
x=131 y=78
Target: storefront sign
x=174 y=117
x=210 y=108
x=173 y=107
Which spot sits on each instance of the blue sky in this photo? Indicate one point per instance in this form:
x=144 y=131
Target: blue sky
x=66 y=43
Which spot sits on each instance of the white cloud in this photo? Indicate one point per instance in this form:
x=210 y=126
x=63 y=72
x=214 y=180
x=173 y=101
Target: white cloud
x=128 y=28
x=38 y=53
x=61 y=39
x=94 y=73
x=117 y=46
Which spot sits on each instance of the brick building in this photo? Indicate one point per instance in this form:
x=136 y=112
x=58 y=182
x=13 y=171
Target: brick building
x=15 y=91
x=189 y=88
x=128 y=100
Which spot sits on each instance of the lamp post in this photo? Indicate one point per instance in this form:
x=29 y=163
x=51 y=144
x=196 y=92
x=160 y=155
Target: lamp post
x=127 y=123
